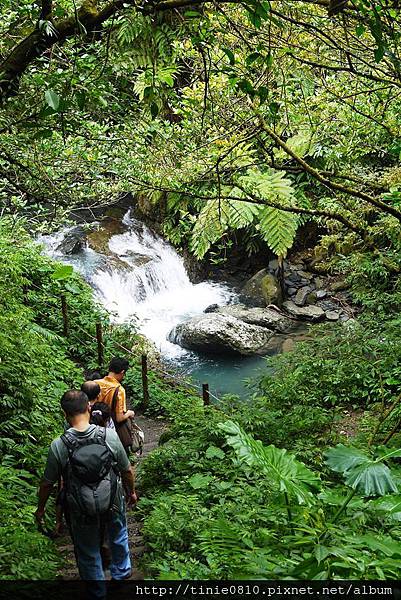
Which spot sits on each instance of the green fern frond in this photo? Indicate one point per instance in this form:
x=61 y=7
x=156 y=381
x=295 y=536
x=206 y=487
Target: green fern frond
x=240 y=213
x=209 y=227
x=278 y=229
x=43 y=332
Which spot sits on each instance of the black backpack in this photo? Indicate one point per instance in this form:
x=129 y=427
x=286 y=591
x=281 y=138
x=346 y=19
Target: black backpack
x=90 y=476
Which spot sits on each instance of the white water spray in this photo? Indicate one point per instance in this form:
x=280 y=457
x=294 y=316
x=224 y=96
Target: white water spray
x=144 y=280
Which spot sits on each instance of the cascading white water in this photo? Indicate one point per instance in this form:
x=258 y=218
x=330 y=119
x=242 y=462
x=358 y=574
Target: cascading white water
x=144 y=280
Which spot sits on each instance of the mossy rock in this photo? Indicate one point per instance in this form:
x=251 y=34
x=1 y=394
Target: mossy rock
x=271 y=290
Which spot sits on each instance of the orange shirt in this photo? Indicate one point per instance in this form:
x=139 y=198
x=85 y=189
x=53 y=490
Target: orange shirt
x=107 y=388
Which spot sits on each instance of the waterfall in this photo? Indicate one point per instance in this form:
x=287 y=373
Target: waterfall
x=143 y=280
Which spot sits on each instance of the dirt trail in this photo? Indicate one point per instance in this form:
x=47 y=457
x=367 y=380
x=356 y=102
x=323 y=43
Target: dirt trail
x=153 y=430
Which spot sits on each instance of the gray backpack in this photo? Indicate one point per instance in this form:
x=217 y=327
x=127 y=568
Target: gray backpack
x=90 y=476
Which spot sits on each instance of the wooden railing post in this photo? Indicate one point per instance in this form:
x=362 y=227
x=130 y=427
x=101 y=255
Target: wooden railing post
x=64 y=310
x=99 y=337
x=205 y=394
x=145 y=387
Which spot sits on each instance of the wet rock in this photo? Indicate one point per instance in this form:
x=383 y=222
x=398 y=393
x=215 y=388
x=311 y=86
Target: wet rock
x=291 y=291
x=263 y=288
x=332 y=315
x=306 y=313
x=264 y=317
x=271 y=290
x=294 y=277
x=320 y=294
x=338 y=286
x=211 y=308
x=319 y=282
x=215 y=333
x=99 y=239
x=301 y=295
x=288 y=345
x=306 y=275
x=139 y=260
x=74 y=241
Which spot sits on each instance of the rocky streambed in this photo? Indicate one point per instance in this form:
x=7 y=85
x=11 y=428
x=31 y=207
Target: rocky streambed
x=207 y=328
x=269 y=313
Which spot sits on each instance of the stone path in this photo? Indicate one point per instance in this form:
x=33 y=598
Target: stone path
x=153 y=430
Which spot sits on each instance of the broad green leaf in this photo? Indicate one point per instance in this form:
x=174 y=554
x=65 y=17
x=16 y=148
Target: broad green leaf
x=62 y=272
x=390 y=505
x=370 y=477
x=281 y=469
x=321 y=552
x=52 y=99
x=373 y=479
x=214 y=452
x=343 y=458
x=230 y=54
x=199 y=481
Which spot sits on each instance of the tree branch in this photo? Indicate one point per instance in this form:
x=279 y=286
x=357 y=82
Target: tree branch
x=330 y=184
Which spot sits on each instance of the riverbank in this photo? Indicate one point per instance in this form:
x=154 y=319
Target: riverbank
x=142 y=281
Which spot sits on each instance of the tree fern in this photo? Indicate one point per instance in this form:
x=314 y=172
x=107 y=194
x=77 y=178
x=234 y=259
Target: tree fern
x=282 y=469
x=277 y=228
x=239 y=213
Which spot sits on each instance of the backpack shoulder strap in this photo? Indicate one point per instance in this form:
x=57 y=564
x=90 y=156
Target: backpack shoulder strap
x=70 y=442
x=100 y=436
x=114 y=403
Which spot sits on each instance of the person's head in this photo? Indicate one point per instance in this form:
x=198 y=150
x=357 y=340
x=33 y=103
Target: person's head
x=93 y=376
x=75 y=403
x=100 y=414
x=118 y=368
x=91 y=389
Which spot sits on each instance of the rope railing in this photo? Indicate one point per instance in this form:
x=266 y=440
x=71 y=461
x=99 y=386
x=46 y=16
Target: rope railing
x=99 y=339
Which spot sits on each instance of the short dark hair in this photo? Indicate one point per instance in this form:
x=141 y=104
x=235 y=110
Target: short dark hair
x=118 y=364
x=91 y=389
x=74 y=402
x=93 y=376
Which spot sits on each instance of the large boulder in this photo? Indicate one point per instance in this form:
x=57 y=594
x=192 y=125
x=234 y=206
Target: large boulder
x=216 y=333
x=305 y=313
x=74 y=241
x=263 y=317
x=264 y=289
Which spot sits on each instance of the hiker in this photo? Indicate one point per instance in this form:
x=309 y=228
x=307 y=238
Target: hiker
x=113 y=394
x=101 y=415
x=91 y=389
x=91 y=460
x=111 y=385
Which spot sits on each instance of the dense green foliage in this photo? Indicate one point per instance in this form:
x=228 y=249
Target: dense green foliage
x=223 y=506
x=250 y=117
x=37 y=364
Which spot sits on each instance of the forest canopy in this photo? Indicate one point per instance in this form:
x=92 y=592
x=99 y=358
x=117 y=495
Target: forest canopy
x=252 y=115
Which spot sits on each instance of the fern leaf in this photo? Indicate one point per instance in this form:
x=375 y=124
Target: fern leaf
x=209 y=227
x=278 y=229
x=240 y=213
x=282 y=469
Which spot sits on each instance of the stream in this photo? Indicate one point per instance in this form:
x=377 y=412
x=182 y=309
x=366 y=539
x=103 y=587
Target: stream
x=141 y=279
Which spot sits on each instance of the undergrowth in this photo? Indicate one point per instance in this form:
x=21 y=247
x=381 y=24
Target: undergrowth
x=37 y=364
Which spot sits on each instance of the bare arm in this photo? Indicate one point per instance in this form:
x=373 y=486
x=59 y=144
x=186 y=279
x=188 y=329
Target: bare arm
x=124 y=416
x=45 y=490
x=128 y=478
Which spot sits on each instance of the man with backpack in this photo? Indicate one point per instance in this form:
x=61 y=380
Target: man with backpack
x=92 y=462
x=112 y=392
